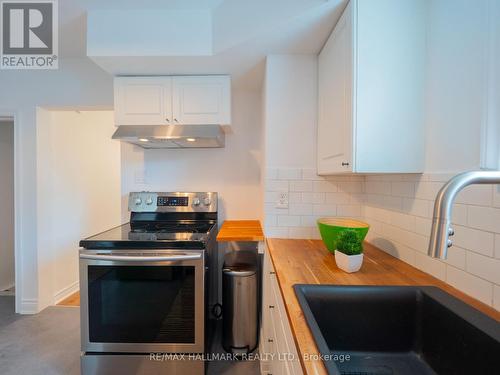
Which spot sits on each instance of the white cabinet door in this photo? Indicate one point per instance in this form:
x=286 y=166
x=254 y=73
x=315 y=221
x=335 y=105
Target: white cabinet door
x=143 y=100
x=202 y=100
x=335 y=130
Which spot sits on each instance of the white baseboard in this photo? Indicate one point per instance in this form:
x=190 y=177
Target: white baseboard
x=66 y=292
x=29 y=306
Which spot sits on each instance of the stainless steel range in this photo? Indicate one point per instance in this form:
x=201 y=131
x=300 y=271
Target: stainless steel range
x=147 y=286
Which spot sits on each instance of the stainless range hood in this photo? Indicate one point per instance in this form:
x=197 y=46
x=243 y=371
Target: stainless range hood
x=172 y=136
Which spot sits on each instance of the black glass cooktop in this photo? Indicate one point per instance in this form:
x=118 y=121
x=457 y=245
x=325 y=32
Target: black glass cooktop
x=152 y=236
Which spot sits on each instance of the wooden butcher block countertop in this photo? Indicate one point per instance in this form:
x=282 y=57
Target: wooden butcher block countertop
x=308 y=262
x=240 y=230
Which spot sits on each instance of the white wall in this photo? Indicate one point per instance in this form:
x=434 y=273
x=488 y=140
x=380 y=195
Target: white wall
x=233 y=171
x=291 y=111
x=78 y=190
x=78 y=83
x=7 y=211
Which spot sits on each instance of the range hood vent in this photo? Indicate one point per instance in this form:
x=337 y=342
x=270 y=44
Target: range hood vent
x=172 y=136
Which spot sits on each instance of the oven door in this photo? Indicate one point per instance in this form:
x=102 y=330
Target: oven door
x=142 y=301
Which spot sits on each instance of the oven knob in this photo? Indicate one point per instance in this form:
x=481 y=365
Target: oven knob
x=207 y=201
x=138 y=201
x=196 y=201
x=149 y=201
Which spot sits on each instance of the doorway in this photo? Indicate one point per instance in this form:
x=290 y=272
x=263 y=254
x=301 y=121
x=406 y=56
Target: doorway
x=7 y=235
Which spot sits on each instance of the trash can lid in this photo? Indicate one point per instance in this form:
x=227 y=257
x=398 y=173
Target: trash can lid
x=240 y=270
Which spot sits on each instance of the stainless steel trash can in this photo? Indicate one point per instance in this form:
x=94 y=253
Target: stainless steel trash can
x=239 y=302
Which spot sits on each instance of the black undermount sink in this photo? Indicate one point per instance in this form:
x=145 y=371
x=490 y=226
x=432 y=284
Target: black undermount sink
x=393 y=330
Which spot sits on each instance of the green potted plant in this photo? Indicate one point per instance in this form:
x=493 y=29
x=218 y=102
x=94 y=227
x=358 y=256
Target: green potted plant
x=349 y=252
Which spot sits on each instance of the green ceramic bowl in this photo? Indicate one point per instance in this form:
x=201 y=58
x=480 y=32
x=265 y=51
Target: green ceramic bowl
x=330 y=228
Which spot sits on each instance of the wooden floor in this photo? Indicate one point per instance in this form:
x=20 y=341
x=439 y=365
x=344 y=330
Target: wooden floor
x=72 y=300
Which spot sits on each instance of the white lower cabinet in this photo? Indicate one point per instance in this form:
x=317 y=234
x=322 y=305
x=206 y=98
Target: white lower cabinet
x=277 y=348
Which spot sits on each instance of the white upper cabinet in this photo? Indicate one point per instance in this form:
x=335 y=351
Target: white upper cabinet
x=202 y=100
x=184 y=100
x=143 y=100
x=370 y=90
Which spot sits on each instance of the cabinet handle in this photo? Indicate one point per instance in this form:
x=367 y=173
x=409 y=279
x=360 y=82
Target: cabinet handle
x=272 y=273
x=345 y=164
x=175 y=120
x=271 y=306
x=270 y=340
x=167 y=119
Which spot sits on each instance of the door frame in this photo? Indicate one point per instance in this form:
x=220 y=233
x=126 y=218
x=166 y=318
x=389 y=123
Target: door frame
x=15 y=117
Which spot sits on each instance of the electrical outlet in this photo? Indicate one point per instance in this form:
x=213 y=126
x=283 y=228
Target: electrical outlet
x=282 y=201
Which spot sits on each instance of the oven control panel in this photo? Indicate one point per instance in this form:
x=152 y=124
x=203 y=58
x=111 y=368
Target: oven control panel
x=172 y=202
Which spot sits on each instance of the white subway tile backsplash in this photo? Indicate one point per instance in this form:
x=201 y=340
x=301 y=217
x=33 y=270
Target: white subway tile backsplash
x=393 y=203
x=412 y=177
x=325 y=209
x=484 y=218
x=458 y=214
x=324 y=186
x=403 y=221
x=379 y=214
x=276 y=185
x=300 y=209
x=271 y=173
x=357 y=198
x=470 y=284
x=350 y=186
x=485 y=267
x=271 y=196
x=310 y=174
x=497 y=246
x=456 y=257
x=337 y=198
x=403 y=189
x=308 y=221
x=288 y=221
x=417 y=207
x=294 y=197
x=349 y=210
x=481 y=195
x=410 y=239
x=270 y=208
x=289 y=174
x=432 y=266
x=473 y=239
x=427 y=190
x=399 y=211
x=271 y=221
x=378 y=187
x=315 y=235
x=276 y=232
x=300 y=232
x=423 y=225
x=301 y=185
x=313 y=197
x=437 y=177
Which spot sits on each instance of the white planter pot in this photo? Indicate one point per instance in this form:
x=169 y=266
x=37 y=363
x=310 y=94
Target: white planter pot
x=348 y=263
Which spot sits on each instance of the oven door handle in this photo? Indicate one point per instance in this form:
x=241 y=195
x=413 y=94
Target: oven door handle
x=141 y=258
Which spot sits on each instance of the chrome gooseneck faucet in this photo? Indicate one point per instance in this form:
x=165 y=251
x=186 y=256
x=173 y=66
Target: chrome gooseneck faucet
x=441 y=229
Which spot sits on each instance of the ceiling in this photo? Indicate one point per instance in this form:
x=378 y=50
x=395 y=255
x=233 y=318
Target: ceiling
x=243 y=33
